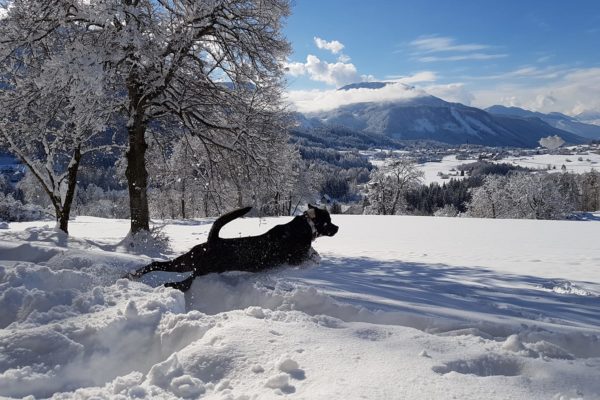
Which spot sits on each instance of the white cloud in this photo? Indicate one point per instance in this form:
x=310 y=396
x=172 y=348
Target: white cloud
x=433 y=44
x=452 y=92
x=575 y=91
x=463 y=57
x=334 y=46
x=526 y=72
x=437 y=48
x=419 y=77
x=338 y=73
x=572 y=92
x=295 y=68
x=307 y=101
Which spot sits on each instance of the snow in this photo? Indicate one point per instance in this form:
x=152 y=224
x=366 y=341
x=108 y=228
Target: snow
x=449 y=165
x=398 y=308
x=572 y=163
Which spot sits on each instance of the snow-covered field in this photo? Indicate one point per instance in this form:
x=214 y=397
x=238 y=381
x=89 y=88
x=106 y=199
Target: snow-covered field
x=573 y=163
x=399 y=308
x=448 y=166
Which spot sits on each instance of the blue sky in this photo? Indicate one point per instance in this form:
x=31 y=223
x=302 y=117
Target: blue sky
x=542 y=55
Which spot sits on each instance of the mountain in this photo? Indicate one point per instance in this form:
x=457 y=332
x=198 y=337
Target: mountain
x=313 y=133
x=589 y=117
x=557 y=120
x=425 y=117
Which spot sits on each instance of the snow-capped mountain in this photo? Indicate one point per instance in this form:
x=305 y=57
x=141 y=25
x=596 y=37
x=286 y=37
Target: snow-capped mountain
x=589 y=117
x=422 y=116
x=557 y=120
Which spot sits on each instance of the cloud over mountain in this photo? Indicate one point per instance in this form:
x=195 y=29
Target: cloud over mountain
x=337 y=73
x=307 y=101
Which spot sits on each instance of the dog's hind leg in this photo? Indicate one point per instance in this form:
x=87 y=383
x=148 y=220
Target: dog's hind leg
x=153 y=266
x=176 y=265
x=183 y=263
x=184 y=285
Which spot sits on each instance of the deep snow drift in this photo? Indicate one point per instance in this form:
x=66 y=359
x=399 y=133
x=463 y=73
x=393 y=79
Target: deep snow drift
x=399 y=308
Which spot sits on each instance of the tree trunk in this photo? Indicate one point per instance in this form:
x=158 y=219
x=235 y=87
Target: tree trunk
x=63 y=213
x=182 y=198
x=137 y=175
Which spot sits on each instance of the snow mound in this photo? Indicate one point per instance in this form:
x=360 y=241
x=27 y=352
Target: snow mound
x=153 y=243
x=382 y=316
x=565 y=287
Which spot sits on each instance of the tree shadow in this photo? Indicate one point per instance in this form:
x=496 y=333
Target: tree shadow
x=438 y=290
x=188 y=222
x=584 y=216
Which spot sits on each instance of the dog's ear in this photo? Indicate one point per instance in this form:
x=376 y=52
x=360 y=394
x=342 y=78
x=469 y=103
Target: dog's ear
x=311 y=213
x=310 y=206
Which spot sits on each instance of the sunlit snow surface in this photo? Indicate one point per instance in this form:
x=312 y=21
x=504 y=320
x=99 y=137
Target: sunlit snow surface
x=448 y=167
x=398 y=308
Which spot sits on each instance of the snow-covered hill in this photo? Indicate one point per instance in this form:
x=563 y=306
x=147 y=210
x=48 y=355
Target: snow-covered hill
x=399 y=308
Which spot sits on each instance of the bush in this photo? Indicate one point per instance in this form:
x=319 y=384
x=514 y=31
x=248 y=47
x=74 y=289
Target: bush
x=447 y=211
x=12 y=210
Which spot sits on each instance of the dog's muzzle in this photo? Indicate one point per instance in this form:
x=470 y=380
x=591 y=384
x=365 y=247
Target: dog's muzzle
x=330 y=230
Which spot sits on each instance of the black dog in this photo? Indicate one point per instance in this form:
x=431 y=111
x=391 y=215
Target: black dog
x=283 y=244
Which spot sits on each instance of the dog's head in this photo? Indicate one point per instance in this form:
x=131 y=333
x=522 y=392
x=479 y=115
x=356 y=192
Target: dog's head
x=321 y=220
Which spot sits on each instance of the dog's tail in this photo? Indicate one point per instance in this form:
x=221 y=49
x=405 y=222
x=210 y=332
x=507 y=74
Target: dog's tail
x=225 y=219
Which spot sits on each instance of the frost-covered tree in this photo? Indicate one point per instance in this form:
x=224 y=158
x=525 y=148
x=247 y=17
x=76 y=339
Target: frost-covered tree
x=389 y=184
x=185 y=184
x=447 y=211
x=491 y=199
x=48 y=104
x=202 y=67
x=551 y=142
x=590 y=191
x=206 y=64
x=538 y=196
x=522 y=195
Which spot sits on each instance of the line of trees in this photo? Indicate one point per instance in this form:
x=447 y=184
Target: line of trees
x=539 y=195
x=73 y=74
x=455 y=194
x=488 y=190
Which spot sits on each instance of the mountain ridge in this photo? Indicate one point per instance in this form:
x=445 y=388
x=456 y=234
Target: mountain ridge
x=427 y=117
x=554 y=119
